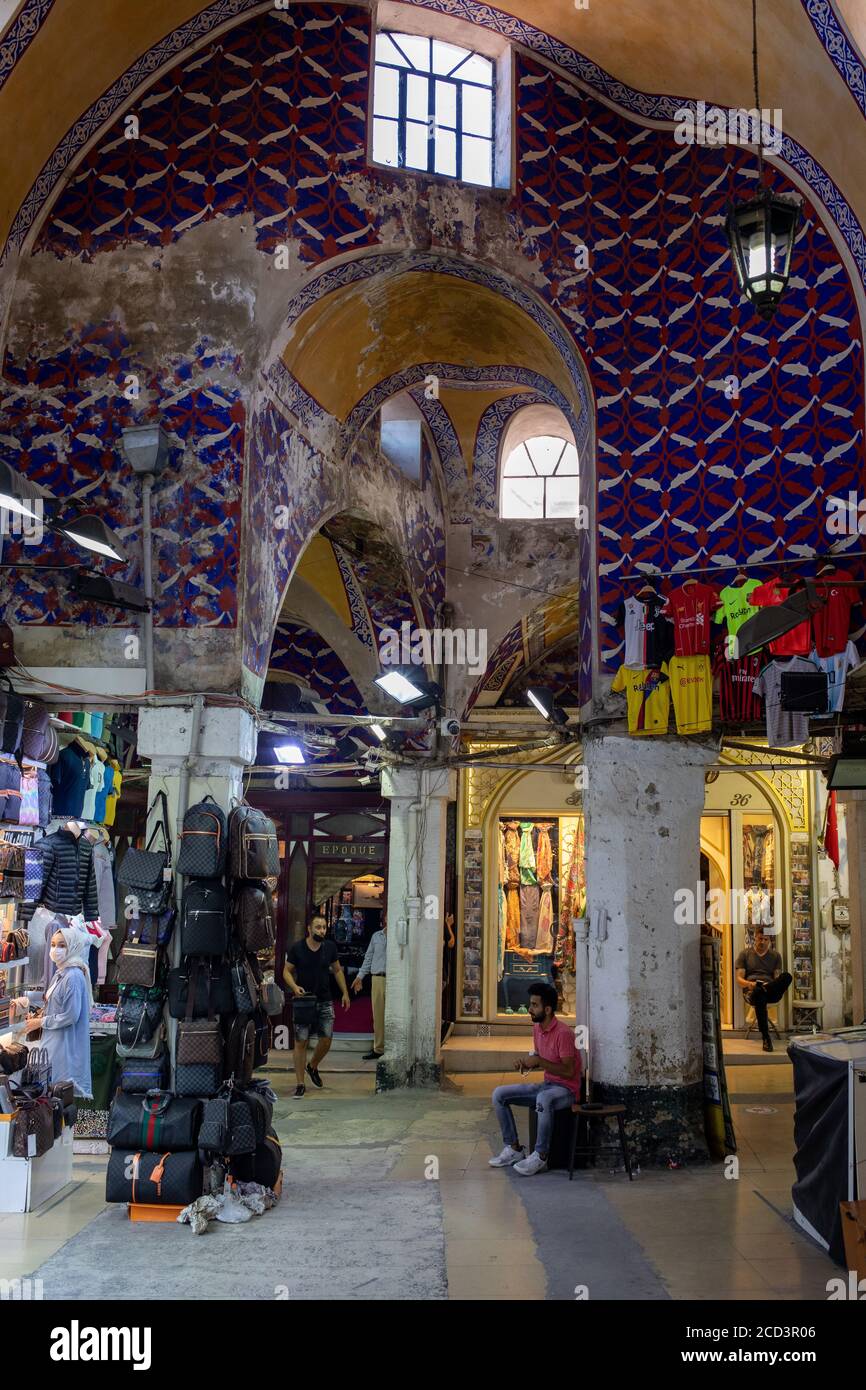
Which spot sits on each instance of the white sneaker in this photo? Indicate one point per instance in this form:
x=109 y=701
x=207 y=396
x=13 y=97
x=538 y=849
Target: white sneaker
x=507 y=1158
x=531 y=1165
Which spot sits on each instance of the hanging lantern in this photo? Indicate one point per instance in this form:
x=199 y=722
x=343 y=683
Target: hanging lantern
x=761 y=233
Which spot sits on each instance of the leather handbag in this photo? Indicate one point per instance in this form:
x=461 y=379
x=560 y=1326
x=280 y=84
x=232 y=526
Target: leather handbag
x=201 y=1079
x=273 y=999
x=141 y=1074
x=138 y=965
x=36 y=732
x=253 y=916
x=199 y=1041
x=32 y=1128
x=245 y=987
x=64 y=1091
x=143 y=870
x=305 y=1011
x=154 y=1179
x=139 y=1021
x=211 y=985
x=154 y=1122
x=37 y=1072
x=155 y=929
x=13 y=1057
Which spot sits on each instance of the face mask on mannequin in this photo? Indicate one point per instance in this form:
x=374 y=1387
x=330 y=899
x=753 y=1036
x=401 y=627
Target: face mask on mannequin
x=59 y=954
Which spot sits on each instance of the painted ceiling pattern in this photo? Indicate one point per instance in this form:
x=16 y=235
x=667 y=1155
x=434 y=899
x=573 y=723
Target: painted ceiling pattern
x=60 y=427
x=299 y=651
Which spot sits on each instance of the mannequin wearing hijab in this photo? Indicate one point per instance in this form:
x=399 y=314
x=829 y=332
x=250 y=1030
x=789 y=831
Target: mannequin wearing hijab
x=65 y=1019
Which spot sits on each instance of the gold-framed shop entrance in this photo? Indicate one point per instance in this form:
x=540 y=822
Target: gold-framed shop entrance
x=526 y=795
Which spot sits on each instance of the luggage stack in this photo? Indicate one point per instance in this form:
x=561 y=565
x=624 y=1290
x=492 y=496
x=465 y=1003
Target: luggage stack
x=162 y=1139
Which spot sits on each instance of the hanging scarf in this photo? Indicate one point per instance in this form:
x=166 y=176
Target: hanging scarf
x=544 y=852
x=544 y=939
x=512 y=852
x=527 y=854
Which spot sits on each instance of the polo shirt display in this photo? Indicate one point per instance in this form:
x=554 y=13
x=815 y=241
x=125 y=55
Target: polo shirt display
x=648 y=699
x=691 y=609
x=691 y=686
x=734 y=608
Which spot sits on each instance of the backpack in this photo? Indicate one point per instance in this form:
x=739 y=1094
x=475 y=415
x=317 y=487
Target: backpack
x=239 y=1049
x=203 y=844
x=253 y=849
x=253 y=916
x=204 y=923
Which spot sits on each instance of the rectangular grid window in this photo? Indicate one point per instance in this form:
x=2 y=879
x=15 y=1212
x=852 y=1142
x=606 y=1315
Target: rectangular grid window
x=433 y=108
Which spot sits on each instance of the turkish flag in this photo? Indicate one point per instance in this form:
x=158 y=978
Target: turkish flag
x=831 y=830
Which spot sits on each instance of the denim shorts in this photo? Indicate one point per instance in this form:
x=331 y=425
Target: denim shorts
x=324 y=1025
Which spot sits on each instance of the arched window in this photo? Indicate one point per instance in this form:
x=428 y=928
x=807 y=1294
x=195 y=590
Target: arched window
x=433 y=107
x=540 y=479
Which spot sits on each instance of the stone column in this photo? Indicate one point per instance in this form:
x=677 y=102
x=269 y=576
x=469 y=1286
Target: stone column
x=643 y=800
x=416 y=886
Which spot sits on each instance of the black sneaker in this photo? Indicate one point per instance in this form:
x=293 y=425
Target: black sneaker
x=313 y=1073
x=298 y=1092
x=372 y=1056
x=768 y=1046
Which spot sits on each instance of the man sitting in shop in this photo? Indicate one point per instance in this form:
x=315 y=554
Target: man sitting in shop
x=760 y=976
x=553 y=1047
x=307 y=970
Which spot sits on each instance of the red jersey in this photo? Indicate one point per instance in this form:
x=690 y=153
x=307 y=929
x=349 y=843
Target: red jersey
x=797 y=642
x=831 y=623
x=691 y=609
x=738 y=703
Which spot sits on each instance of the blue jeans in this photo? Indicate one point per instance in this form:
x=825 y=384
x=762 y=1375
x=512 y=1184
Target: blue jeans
x=546 y=1098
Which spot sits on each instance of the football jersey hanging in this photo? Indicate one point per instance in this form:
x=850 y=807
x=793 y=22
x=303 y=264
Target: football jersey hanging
x=836 y=668
x=831 y=623
x=785 y=728
x=649 y=637
x=648 y=699
x=691 y=686
x=738 y=703
x=691 y=609
x=734 y=609
x=798 y=640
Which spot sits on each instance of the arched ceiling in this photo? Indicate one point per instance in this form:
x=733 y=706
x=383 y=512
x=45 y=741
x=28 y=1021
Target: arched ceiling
x=349 y=341
x=76 y=51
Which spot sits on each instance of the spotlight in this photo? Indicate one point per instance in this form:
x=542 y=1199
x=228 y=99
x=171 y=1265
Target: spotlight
x=12 y=494
x=543 y=700
x=408 y=687
x=98 y=588
x=289 y=753
x=379 y=732
x=846 y=771
x=91 y=533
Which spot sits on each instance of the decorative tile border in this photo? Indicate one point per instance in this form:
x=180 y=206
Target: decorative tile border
x=21 y=33
x=840 y=51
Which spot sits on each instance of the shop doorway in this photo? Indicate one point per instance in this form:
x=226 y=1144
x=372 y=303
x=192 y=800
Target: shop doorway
x=354 y=911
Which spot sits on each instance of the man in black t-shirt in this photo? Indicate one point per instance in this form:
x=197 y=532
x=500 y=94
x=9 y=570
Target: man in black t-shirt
x=307 y=970
x=760 y=976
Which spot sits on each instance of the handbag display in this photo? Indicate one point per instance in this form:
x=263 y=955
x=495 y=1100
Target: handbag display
x=253 y=847
x=154 y=1122
x=141 y=1074
x=200 y=1079
x=154 y=1179
x=143 y=870
x=203 y=841
x=204 y=918
x=37 y=1072
x=138 y=965
x=253 y=916
x=211 y=984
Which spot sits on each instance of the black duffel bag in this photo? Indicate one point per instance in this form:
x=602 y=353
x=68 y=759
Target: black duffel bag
x=155 y=1121
x=211 y=984
x=167 y=1179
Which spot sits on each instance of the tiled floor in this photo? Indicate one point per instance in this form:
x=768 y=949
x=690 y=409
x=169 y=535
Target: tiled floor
x=688 y=1234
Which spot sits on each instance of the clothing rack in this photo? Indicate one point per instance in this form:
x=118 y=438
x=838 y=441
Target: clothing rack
x=734 y=569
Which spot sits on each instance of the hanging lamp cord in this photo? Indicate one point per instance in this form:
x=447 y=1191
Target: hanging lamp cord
x=757 y=94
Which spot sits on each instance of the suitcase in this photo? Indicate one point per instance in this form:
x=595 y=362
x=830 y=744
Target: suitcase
x=166 y=1179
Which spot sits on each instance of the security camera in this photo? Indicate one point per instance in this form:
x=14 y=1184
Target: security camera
x=449 y=727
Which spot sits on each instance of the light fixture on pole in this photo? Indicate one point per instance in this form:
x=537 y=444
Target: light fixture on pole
x=290 y=754
x=762 y=230
x=543 y=700
x=91 y=533
x=12 y=497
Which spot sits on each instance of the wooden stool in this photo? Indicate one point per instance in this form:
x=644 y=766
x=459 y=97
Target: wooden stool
x=600 y=1112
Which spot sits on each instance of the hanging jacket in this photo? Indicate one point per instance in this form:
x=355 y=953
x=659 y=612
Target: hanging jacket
x=69 y=878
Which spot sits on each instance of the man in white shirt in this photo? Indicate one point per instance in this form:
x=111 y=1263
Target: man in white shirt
x=374 y=965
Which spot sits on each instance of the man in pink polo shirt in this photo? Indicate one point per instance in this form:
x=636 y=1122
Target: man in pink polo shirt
x=553 y=1048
